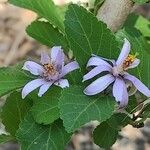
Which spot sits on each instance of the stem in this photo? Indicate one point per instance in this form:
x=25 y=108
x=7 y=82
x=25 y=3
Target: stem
x=142 y=109
x=114 y=13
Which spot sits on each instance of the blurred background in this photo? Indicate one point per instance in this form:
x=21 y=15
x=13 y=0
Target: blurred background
x=15 y=46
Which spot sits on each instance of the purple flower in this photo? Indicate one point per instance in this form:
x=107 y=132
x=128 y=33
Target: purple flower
x=116 y=74
x=51 y=71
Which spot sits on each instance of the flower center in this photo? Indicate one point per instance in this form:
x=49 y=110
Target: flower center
x=128 y=61
x=117 y=71
x=49 y=70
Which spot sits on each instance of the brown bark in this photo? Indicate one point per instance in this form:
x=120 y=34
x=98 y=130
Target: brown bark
x=115 y=12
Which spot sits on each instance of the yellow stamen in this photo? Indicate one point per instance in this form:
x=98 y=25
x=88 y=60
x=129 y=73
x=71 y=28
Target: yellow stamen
x=50 y=69
x=129 y=60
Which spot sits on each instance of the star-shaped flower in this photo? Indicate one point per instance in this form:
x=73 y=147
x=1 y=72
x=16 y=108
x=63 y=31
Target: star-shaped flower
x=116 y=74
x=51 y=71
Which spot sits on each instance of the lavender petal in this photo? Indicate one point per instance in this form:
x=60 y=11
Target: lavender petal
x=69 y=68
x=31 y=86
x=57 y=56
x=110 y=60
x=33 y=67
x=45 y=59
x=138 y=84
x=99 y=85
x=120 y=92
x=97 y=70
x=44 y=88
x=63 y=83
x=134 y=64
x=124 y=52
x=97 y=61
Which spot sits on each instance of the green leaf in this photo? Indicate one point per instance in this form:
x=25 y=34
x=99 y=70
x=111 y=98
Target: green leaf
x=140 y=23
x=105 y=135
x=33 y=136
x=143 y=25
x=12 y=78
x=45 y=33
x=45 y=110
x=131 y=20
x=5 y=138
x=87 y=35
x=146 y=112
x=97 y=5
x=132 y=105
x=77 y=109
x=140 y=46
x=44 y=8
x=140 y=1
x=75 y=77
x=98 y=2
x=13 y=112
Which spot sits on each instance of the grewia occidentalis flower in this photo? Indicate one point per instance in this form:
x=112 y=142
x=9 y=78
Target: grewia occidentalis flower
x=116 y=74
x=51 y=71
